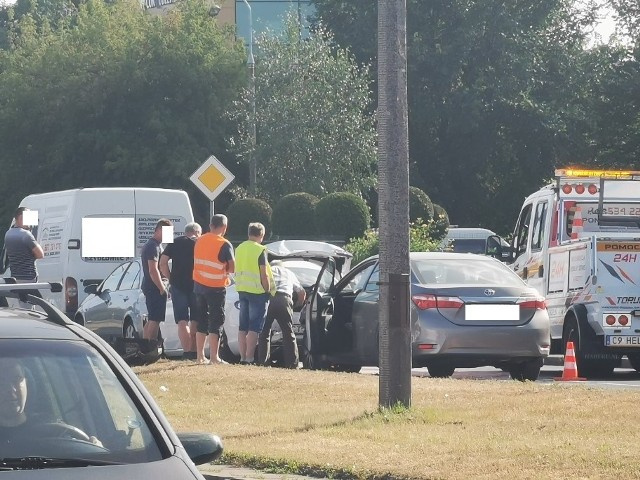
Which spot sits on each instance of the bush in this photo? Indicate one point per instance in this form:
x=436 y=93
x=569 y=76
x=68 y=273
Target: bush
x=245 y=211
x=342 y=214
x=293 y=215
x=423 y=237
x=420 y=205
x=441 y=218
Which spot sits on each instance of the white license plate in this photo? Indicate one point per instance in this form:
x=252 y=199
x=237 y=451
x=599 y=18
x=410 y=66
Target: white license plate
x=622 y=340
x=492 y=312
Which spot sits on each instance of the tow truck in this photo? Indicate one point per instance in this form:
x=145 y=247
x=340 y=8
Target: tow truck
x=577 y=240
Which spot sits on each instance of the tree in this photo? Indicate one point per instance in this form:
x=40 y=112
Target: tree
x=314 y=131
x=118 y=98
x=497 y=96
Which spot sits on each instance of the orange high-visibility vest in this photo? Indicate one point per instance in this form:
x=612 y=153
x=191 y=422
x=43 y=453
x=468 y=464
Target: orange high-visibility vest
x=207 y=269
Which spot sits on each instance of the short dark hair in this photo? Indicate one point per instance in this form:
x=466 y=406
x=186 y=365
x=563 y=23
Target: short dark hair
x=19 y=211
x=218 y=220
x=163 y=222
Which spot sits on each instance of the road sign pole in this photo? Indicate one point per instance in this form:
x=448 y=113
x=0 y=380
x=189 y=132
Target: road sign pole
x=211 y=210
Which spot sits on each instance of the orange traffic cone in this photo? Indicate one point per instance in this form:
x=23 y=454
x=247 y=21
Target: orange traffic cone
x=578 y=223
x=570 y=372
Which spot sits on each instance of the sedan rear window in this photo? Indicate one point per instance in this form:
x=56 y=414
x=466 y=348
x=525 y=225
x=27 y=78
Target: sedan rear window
x=464 y=271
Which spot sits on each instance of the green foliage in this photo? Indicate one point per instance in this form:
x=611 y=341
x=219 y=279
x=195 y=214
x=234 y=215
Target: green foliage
x=441 y=220
x=315 y=128
x=116 y=97
x=342 y=214
x=245 y=211
x=420 y=205
x=499 y=94
x=294 y=213
x=423 y=237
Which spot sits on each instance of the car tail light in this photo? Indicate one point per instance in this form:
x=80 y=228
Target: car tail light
x=538 y=303
x=566 y=188
x=616 y=319
x=624 y=320
x=580 y=188
x=593 y=189
x=71 y=294
x=425 y=302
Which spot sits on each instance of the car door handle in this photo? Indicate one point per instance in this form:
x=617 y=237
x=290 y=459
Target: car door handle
x=125 y=299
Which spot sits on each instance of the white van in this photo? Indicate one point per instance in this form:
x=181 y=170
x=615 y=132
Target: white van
x=59 y=232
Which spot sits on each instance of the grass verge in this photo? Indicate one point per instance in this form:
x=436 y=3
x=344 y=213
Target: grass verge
x=327 y=423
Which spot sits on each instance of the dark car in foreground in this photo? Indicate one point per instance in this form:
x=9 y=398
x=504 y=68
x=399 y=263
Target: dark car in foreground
x=466 y=311
x=76 y=409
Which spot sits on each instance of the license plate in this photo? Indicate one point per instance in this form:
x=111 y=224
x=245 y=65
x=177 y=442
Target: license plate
x=622 y=340
x=492 y=312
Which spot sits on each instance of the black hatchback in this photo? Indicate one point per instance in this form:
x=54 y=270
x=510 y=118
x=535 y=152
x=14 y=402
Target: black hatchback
x=68 y=400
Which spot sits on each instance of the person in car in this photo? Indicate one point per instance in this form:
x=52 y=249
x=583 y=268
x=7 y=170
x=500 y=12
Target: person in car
x=14 y=421
x=281 y=310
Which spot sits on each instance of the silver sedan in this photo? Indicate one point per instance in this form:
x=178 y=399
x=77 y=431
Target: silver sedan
x=466 y=311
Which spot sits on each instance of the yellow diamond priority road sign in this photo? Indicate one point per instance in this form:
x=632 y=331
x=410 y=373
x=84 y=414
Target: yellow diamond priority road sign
x=212 y=177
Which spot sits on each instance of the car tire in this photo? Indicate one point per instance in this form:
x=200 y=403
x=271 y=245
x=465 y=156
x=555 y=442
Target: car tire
x=634 y=360
x=128 y=330
x=309 y=360
x=225 y=352
x=529 y=370
x=586 y=367
x=440 y=371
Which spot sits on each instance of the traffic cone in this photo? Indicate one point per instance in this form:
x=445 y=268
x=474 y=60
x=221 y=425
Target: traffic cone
x=570 y=371
x=578 y=223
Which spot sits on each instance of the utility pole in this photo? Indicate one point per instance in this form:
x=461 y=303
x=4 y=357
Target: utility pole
x=251 y=64
x=393 y=205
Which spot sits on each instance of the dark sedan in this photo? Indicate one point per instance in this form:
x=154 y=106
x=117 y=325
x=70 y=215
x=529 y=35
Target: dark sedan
x=466 y=311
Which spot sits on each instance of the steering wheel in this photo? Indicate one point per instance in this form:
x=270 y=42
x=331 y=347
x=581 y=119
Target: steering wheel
x=62 y=430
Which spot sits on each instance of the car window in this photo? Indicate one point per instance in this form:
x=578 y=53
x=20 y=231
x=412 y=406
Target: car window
x=372 y=283
x=112 y=281
x=327 y=277
x=131 y=275
x=73 y=394
x=464 y=271
x=358 y=279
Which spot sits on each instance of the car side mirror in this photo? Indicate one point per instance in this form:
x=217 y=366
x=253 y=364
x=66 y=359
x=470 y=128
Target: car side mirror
x=201 y=447
x=91 y=289
x=494 y=248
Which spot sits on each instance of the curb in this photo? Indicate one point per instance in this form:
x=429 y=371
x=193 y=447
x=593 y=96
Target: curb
x=558 y=361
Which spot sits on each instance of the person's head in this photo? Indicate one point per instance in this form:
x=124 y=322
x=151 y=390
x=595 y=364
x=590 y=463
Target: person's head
x=19 y=217
x=218 y=224
x=256 y=231
x=163 y=222
x=13 y=392
x=193 y=229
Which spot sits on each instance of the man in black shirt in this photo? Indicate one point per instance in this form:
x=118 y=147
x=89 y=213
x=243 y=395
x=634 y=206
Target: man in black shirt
x=154 y=289
x=180 y=252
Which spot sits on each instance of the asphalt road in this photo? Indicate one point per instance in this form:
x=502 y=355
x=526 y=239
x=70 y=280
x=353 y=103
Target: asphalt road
x=625 y=377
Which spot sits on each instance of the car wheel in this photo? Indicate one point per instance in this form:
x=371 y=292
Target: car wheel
x=586 y=367
x=529 y=370
x=225 y=352
x=128 y=330
x=634 y=360
x=440 y=371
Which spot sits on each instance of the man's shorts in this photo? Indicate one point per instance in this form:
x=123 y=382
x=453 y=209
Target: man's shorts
x=156 y=306
x=184 y=305
x=253 y=311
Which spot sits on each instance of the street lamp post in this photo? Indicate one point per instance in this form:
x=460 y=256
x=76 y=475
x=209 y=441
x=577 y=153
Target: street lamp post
x=252 y=90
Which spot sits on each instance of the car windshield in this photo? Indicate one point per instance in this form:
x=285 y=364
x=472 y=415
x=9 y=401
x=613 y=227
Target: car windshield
x=61 y=399
x=464 y=271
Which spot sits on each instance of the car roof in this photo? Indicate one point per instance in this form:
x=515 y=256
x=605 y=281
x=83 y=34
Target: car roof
x=28 y=324
x=460 y=233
